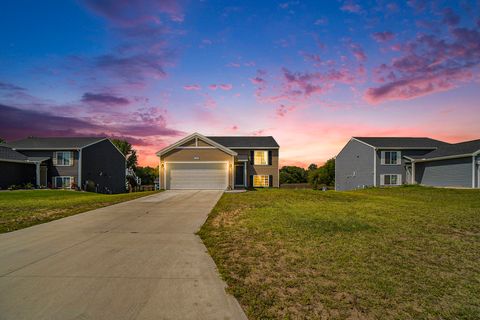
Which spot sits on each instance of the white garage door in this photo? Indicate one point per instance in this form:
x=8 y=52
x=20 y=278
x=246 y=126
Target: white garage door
x=206 y=175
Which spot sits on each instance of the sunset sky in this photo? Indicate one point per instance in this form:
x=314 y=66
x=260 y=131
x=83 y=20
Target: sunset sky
x=310 y=73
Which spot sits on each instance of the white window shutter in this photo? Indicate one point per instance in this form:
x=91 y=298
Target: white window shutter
x=399 y=179
x=382 y=157
x=54 y=160
x=399 y=157
x=382 y=179
x=71 y=158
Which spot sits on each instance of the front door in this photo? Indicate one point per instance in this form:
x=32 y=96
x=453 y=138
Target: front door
x=239 y=175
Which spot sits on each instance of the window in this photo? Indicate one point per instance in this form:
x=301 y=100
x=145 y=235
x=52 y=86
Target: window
x=391 y=179
x=63 y=158
x=62 y=182
x=260 y=158
x=261 y=181
x=391 y=157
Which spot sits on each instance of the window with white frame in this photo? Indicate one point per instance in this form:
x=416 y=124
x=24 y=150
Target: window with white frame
x=63 y=158
x=390 y=179
x=260 y=157
x=391 y=157
x=261 y=181
x=63 y=182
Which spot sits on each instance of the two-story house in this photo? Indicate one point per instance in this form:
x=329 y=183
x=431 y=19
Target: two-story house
x=84 y=163
x=393 y=161
x=228 y=162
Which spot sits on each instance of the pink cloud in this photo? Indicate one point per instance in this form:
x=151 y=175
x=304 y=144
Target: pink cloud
x=104 y=99
x=427 y=65
x=213 y=87
x=225 y=86
x=358 y=52
x=383 y=36
x=233 y=65
x=282 y=110
x=450 y=17
x=410 y=88
x=191 y=87
x=209 y=102
x=352 y=7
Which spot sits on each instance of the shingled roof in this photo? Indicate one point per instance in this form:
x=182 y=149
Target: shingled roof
x=33 y=143
x=233 y=142
x=6 y=153
x=462 y=148
x=402 y=142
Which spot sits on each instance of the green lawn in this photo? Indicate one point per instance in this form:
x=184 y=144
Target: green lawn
x=21 y=209
x=398 y=253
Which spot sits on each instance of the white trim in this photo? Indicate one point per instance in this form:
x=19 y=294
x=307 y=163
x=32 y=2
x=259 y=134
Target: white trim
x=190 y=137
x=165 y=169
x=261 y=175
x=37 y=174
x=111 y=143
x=251 y=148
x=382 y=179
x=407 y=148
x=382 y=158
x=374 y=167
x=20 y=161
x=473 y=172
x=413 y=173
x=362 y=142
x=54 y=178
x=267 y=157
x=199 y=147
x=72 y=159
x=79 y=163
x=444 y=158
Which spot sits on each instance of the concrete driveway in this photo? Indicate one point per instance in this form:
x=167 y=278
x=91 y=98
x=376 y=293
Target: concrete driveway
x=134 y=260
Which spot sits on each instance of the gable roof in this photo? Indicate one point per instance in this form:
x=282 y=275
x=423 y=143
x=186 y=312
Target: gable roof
x=401 y=142
x=246 y=141
x=10 y=155
x=192 y=136
x=455 y=149
x=6 y=153
x=33 y=143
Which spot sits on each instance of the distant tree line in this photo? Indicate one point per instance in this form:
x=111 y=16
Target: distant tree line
x=147 y=174
x=316 y=176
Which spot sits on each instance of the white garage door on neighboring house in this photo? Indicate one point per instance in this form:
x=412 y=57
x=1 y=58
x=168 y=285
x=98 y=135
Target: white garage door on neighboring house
x=196 y=175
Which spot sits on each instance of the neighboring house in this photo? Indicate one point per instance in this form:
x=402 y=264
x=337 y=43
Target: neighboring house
x=199 y=162
x=93 y=164
x=16 y=168
x=391 y=161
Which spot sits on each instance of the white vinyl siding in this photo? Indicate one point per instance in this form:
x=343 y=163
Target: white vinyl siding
x=261 y=180
x=260 y=158
x=63 y=182
x=390 y=179
x=197 y=175
x=391 y=157
x=63 y=158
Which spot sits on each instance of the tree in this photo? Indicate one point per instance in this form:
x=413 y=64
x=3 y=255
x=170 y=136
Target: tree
x=292 y=174
x=127 y=149
x=2 y=140
x=312 y=167
x=325 y=175
x=147 y=174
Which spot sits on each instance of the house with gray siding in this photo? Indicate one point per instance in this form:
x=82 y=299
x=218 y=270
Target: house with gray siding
x=392 y=161
x=83 y=163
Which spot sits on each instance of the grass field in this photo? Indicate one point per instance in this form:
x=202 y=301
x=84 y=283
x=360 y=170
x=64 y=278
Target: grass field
x=398 y=253
x=21 y=209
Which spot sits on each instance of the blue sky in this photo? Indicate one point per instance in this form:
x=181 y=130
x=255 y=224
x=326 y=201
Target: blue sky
x=310 y=73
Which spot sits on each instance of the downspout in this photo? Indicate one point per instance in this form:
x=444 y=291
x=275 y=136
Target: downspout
x=37 y=174
x=374 y=167
x=473 y=171
x=79 y=184
x=413 y=172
